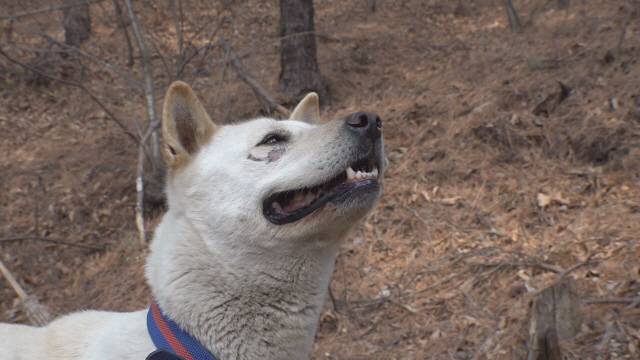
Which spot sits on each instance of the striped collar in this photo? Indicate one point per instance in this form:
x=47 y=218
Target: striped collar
x=172 y=342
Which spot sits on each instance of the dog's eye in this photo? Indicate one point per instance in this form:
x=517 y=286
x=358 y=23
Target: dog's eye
x=273 y=138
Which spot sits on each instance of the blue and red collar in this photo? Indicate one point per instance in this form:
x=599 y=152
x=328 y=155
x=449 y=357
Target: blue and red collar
x=172 y=342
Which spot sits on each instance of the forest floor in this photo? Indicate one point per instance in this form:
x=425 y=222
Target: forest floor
x=489 y=197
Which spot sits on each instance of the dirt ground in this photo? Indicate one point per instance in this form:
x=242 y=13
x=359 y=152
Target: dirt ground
x=492 y=195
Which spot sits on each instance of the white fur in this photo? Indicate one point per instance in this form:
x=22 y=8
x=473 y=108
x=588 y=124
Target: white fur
x=242 y=286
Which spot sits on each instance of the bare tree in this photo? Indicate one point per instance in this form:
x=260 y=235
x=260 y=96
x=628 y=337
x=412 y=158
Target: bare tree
x=29 y=45
x=77 y=23
x=299 y=71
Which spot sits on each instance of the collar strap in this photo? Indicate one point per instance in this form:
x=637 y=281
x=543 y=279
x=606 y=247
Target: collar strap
x=171 y=340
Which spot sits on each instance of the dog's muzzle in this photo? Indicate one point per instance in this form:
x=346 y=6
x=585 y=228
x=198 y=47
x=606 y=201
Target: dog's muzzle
x=359 y=179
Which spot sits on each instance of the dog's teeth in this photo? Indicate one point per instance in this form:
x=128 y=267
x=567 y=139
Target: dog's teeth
x=350 y=173
x=359 y=175
x=276 y=206
x=375 y=172
x=310 y=197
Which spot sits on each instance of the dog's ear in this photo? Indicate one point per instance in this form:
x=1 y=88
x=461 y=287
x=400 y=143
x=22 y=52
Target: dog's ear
x=185 y=124
x=308 y=110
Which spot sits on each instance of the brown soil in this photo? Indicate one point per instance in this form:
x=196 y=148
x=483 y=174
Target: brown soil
x=447 y=265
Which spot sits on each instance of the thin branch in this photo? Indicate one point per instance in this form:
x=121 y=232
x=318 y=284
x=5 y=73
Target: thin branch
x=146 y=63
x=475 y=20
x=612 y=300
x=148 y=83
x=140 y=183
x=623 y=34
x=208 y=47
x=222 y=75
x=162 y=59
x=333 y=299
x=255 y=86
x=37 y=313
x=186 y=61
x=78 y=85
x=123 y=25
x=577 y=265
x=512 y=14
x=177 y=25
x=70 y=49
x=55 y=241
x=54 y=8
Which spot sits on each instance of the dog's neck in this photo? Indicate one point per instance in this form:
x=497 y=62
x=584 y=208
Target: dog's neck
x=241 y=304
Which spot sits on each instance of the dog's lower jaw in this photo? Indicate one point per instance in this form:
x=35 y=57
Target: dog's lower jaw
x=266 y=306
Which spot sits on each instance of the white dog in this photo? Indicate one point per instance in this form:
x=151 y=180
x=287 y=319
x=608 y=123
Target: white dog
x=240 y=263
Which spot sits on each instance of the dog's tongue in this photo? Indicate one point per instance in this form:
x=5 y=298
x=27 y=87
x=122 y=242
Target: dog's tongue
x=299 y=201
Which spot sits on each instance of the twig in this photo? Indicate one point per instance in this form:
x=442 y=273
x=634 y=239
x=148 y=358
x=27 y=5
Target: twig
x=222 y=74
x=408 y=308
x=208 y=46
x=566 y=271
x=54 y=8
x=512 y=14
x=37 y=314
x=333 y=299
x=69 y=48
x=78 y=85
x=624 y=30
x=612 y=300
x=475 y=20
x=255 y=86
x=123 y=25
x=177 y=25
x=164 y=62
x=148 y=84
x=140 y=183
x=55 y=241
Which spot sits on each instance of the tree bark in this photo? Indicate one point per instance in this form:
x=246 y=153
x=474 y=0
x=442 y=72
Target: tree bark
x=77 y=23
x=299 y=73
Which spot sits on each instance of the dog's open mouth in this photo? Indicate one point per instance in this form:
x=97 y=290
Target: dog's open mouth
x=292 y=205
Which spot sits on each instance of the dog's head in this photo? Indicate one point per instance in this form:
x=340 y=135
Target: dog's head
x=270 y=180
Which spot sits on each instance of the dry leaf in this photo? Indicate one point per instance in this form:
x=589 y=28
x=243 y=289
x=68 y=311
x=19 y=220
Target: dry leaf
x=558 y=198
x=555 y=198
x=451 y=201
x=471 y=320
x=543 y=200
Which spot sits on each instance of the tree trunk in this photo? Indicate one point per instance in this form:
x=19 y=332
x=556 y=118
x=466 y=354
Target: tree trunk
x=299 y=72
x=512 y=14
x=77 y=23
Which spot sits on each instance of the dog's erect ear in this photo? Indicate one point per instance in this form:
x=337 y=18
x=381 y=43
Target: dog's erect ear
x=308 y=110
x=185 y=124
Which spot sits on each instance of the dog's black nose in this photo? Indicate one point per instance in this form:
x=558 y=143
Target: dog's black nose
x=365 y=123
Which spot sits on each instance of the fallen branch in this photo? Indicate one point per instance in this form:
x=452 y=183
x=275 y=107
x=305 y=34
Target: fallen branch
x=36 y=312
x=55 y=241
x=255 y=86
